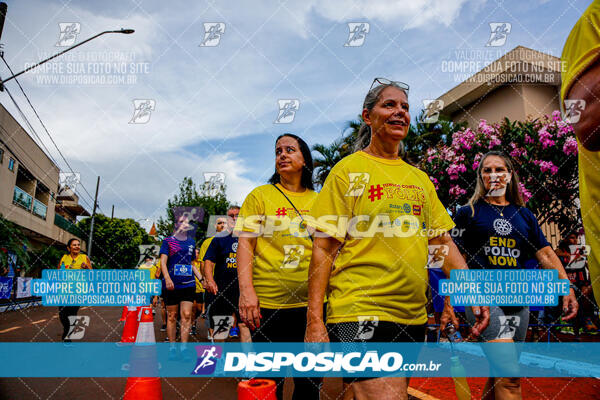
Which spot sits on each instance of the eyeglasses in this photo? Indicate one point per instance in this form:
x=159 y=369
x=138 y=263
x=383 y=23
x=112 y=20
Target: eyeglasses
x=385 y=81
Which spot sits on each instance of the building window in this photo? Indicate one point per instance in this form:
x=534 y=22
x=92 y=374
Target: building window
x=11 y=164
x=1 y=155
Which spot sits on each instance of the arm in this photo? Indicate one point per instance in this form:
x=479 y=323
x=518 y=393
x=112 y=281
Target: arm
x=197 y=272
x=586 y=88
x=319 y=270
x=549 y=260
x=249 y=303
x=207 y=270
x=88 y=263
x=165 y=272
x=454 y=260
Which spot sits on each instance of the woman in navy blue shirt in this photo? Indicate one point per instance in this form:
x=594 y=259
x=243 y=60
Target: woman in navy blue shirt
x=498 y=232
x=176 y=255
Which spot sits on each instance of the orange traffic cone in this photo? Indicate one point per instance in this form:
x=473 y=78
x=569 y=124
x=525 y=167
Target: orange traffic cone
x=143 y=388
x=145 y=333
x=131 y=326
x=257 y=389
x=123 y=314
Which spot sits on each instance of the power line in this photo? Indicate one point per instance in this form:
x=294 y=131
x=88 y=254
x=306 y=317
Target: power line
x=84 y=200
x=46 y=129
x=30 y=126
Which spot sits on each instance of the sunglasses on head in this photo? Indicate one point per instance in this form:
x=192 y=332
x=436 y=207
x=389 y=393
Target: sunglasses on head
x=385 y=81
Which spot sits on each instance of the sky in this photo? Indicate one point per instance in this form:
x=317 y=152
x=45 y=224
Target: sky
x=213 y=102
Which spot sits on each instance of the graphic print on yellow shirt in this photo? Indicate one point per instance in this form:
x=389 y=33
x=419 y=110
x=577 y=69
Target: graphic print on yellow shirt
x=283 y=246
x=581 y=50
x=71 y=263
x=384 y=212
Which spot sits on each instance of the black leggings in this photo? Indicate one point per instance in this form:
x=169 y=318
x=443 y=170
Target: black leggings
x=287 y=325
x=63 y=315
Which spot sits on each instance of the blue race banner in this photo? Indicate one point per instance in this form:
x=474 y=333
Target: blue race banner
x=6 y=285
x=299 y=359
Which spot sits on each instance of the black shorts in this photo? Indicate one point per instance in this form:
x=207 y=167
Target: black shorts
x=281 y=325
x=379 y=331
x=176 y=296
x=223 y=306
x=199 y=297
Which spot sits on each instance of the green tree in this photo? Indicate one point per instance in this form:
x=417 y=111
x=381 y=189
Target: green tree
x=208 y=195
x=422 y=136
x=115 y=241
x=544 y=151
x=47 y=257
x=12 y=239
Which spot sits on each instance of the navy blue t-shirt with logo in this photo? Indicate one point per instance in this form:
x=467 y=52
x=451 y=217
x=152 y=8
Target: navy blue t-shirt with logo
x=494 y=241
x=223 y=252
x=180 y=253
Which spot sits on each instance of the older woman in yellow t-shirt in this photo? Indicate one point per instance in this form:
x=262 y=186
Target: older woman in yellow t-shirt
x=73 y=260
x=376 y=216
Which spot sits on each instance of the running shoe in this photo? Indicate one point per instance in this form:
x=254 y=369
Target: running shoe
x=234 y=332
x=194 y=330
x=209 y=337
x=163 y=328
x=173 y=354
x=589 y=325
x=185 y=356
x=567 y=330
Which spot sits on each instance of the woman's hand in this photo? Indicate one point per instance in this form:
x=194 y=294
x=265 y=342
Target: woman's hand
x=250 y=308
x=570 y=305
x=448 y=316
x=482 y=319
x=316 y=332
x=169 y=283
x=211 y=286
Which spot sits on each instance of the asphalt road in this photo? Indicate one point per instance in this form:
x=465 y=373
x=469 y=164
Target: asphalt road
x=41 y=324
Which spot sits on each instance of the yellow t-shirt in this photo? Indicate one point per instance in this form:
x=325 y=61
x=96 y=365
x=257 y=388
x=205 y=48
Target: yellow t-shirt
x=152 y=269
x=201 y=254
x=198 y=264
x=71 y=263
x=384 y=212
x=581 y=50
x=283 y=250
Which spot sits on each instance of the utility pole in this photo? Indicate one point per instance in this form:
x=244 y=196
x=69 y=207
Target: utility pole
x=93 y=216
x=112 y=213
x=3 y=8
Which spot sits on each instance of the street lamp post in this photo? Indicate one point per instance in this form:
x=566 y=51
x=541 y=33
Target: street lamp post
x=124 y=31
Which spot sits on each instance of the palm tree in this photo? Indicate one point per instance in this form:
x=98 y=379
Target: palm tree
x=330 y=155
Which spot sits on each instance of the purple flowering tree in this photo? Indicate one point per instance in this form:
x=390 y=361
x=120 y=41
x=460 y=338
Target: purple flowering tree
x=545 y=154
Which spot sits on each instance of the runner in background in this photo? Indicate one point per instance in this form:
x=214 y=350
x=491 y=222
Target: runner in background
x=580 y=101
x=220 y=271
x=377 y=285
x=198 y=308
x=161 y=298
x=219 y=226
x=499 y=232
x=177 y=254
x=149 y=265
x=74 y=260
x=574 y=260
x=273 y=263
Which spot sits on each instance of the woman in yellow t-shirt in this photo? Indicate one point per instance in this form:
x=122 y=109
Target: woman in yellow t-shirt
x=274 y=250
x=73 y=260
x=376 y=216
